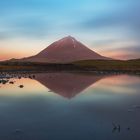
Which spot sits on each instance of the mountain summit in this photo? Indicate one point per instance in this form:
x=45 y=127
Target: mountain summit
x=65 y=50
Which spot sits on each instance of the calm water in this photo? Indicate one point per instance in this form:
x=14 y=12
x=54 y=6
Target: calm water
x=66 y=106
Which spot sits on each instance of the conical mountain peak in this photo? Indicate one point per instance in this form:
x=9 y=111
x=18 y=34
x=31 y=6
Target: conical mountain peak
x=67 y=41
x=68 y=37
x=65 y=50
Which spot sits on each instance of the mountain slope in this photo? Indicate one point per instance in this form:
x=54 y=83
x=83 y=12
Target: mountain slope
x=65 y=50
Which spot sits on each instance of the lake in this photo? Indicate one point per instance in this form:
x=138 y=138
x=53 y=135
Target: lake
x=69 y=106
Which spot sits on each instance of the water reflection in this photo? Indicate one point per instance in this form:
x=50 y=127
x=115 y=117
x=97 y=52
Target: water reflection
x=107 y=107
x=67 y=84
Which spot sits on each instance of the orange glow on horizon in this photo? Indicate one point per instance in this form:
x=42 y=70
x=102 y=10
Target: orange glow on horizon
x=20 y=48
x=120 y=55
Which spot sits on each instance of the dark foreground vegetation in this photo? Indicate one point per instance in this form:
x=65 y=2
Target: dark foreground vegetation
x=85 y=65
x=129 y=65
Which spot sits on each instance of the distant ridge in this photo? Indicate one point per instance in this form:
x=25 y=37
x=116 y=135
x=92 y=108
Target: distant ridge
x=67 y=49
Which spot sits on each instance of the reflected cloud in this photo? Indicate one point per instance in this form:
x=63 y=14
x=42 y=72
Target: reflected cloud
x=120 y=84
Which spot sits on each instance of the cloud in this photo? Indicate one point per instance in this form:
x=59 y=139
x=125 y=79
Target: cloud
x=31 y=27
x=3 y=36
x=26 y=27
x=129 y=19
x=132 y=49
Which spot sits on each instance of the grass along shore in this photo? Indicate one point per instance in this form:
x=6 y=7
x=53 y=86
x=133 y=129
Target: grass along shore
x=84 y=65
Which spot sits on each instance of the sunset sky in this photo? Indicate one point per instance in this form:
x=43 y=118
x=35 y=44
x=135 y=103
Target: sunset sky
x=109 y=27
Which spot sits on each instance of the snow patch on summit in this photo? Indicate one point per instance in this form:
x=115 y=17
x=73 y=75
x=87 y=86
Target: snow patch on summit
x=73 y=42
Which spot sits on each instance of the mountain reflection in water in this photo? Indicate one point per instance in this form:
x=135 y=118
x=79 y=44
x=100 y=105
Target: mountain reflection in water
x=67 y=84
x=107 y=107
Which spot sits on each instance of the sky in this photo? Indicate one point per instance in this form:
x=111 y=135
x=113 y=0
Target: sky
x=109 y=27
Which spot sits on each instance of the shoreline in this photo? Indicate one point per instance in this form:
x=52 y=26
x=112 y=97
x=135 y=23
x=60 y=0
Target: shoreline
x=100 y=72
x=90 y=66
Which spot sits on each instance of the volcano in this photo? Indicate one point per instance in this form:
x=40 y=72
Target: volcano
x=65 y=50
